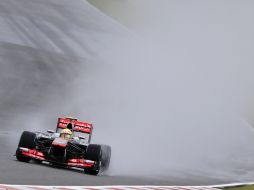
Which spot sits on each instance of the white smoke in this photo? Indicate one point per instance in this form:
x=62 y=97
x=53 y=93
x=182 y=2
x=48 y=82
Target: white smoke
x=173 y=100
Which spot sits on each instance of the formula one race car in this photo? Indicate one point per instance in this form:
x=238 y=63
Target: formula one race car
x=68 y=146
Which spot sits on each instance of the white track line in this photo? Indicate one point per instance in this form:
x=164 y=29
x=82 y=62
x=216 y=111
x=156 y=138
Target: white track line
x=34 y=187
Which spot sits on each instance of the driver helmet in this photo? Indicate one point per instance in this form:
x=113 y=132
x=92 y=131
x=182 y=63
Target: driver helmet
x=66 y=134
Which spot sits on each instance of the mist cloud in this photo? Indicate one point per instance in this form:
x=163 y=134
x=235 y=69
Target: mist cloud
x=177 y=99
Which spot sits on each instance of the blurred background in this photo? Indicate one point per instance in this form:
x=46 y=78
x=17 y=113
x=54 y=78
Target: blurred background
x=167 y=83
x=200 y=62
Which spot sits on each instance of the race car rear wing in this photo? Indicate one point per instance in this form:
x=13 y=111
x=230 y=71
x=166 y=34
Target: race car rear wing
x=77 y=126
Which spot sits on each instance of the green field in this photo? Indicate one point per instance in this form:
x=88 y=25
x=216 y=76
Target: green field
x=247 y=187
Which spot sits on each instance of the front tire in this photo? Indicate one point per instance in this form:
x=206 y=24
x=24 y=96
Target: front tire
x=101 y=155
x=27 y=140
x=91 y=172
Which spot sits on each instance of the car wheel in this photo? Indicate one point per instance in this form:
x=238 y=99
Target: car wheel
x=27 y=140
x=101 y=155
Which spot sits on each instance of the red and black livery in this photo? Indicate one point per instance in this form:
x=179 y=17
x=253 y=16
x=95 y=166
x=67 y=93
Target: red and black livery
x=75 y=152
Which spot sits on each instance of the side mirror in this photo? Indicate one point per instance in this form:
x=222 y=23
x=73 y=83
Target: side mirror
x=50 y=131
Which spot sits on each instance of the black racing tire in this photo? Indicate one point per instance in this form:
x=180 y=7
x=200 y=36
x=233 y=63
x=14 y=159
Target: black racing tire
x=22 y=158
x=57 y=165
x=27 y=140
x=91 y=172
x=100 y=154
x=37 y=161
x=93 y=152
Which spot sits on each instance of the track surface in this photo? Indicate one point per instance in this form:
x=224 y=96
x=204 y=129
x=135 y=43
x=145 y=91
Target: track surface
x=43 y=46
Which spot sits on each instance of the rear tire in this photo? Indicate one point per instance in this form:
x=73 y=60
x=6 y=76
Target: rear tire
x=27 y=140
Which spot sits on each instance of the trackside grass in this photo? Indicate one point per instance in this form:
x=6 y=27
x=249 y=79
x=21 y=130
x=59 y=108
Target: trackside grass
x=247 y=187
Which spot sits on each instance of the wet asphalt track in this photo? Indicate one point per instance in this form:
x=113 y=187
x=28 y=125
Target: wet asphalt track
x=15 y=172
x=43 y=44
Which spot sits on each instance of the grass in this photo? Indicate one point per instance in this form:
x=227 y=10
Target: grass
x=247 y=187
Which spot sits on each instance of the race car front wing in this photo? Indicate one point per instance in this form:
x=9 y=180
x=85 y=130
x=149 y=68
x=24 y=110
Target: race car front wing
x=34 y=154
